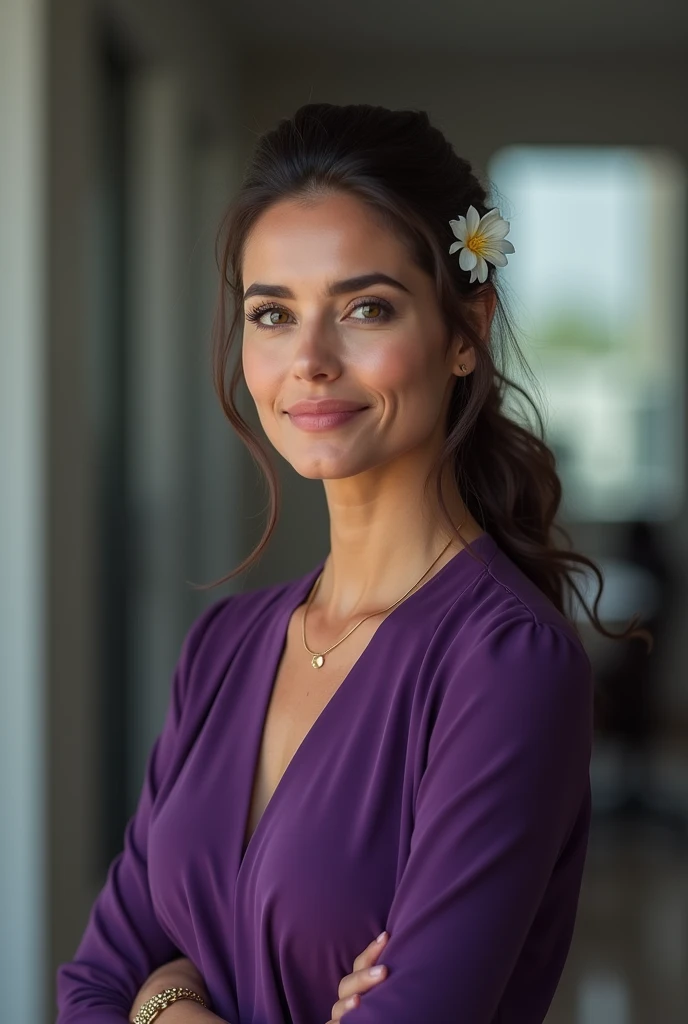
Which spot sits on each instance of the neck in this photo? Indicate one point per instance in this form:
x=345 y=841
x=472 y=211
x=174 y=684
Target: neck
x=382 y=544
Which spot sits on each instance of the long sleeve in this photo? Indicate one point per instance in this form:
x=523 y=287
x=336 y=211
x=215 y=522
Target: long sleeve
x=504 y=787
x=123 y=941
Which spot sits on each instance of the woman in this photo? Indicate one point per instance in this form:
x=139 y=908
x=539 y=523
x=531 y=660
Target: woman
x=400 y=738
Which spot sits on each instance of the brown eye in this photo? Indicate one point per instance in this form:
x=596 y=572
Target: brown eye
x=372 y=311
x=273 y=313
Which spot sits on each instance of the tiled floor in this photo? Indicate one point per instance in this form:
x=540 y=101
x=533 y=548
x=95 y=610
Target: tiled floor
x=629 y=957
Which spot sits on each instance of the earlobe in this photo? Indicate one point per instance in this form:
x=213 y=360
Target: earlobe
x=480 y=314
x=462 y=361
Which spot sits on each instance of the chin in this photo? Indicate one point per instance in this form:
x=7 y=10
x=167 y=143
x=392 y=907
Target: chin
x=311 y=472
x=325 y=469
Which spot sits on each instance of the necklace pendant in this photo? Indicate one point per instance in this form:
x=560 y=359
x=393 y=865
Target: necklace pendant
x=318 y=660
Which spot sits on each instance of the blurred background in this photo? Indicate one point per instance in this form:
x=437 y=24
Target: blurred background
x=124 y=129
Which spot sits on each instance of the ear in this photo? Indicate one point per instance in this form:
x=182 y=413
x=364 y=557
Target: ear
x=480 y=313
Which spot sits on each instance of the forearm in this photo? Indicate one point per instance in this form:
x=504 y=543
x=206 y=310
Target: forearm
x=182 y=1011
x=188 y=1011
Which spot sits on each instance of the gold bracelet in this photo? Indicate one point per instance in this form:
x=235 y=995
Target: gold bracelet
x=154 y=1006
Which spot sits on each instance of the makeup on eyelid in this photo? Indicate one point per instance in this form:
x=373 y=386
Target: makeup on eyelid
x=256 y=314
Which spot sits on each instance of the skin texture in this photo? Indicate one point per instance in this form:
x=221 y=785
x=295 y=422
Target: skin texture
x=382 y=538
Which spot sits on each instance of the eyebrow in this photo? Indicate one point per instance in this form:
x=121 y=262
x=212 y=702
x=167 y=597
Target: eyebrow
x=350 y=284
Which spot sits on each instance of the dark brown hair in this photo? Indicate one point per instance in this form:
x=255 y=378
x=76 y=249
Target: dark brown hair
x=408 y=173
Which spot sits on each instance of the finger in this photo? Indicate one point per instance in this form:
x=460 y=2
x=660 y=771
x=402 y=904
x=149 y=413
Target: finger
x=360 y=981
x=353 y=985
x=370 y=954
x=342 y=1007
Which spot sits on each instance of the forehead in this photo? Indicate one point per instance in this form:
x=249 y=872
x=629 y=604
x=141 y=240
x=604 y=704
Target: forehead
x=321 y=238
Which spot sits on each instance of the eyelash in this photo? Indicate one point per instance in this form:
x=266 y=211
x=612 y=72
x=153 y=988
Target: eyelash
x=254 y=315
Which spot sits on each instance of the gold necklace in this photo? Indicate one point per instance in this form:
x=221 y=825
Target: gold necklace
x=318 y=660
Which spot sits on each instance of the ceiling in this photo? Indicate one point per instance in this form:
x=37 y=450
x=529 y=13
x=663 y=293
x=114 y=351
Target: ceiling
x=455 y=26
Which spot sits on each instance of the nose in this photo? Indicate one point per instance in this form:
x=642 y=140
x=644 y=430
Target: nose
x=316 y=350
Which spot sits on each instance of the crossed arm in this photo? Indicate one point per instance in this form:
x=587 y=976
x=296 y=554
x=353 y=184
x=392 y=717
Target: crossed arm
x=124 y=942
x=506 y=777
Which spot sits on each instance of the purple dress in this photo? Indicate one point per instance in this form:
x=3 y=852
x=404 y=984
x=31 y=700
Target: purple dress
x=443 y=794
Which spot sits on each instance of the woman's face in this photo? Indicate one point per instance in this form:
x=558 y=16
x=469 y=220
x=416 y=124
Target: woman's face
x=312 y=332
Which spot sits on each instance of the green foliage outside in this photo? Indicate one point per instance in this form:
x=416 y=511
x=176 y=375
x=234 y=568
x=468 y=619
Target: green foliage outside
x=572 y=331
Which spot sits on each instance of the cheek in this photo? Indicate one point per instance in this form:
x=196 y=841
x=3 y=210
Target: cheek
x=403 y=368
x=261 y=373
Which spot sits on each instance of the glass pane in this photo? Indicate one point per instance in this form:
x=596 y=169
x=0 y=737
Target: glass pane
x=597 y=286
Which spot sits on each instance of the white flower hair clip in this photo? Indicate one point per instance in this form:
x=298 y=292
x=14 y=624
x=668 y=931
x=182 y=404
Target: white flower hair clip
x=480 y=239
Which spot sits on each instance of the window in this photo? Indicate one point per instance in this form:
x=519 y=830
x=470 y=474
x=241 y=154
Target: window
x=598 y=280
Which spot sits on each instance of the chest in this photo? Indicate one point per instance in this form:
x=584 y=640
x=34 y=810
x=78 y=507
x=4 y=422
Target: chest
x=332 y=758
x=299 y=696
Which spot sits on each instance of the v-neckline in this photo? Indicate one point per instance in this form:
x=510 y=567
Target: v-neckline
x=297 y=591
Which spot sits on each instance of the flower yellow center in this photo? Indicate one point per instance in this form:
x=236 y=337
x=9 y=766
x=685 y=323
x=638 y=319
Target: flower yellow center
x=476 y=243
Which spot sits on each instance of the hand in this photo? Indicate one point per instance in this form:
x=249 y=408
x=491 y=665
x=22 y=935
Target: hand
x=173 y=974
x=359 y=980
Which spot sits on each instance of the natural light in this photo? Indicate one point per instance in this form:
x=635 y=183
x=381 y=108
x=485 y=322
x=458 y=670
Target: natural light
x=597 y=286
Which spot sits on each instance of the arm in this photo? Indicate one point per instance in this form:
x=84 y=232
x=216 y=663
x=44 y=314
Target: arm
x=184 y=1011
x=188 y=1011
x=179 y=972
x=123 y=941
x=506 y=777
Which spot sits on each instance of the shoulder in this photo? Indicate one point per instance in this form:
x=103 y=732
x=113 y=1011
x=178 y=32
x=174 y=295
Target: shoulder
x=509 y=651
x=223 y=623
x=218 y=631
x=505 y=614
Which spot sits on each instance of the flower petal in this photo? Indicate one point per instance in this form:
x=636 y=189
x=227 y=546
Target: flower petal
x=495 y=245
x=489 y=217
x=459 y=227
x=496 y=257
x=497 y=228
x=482 y=270
x=472 y=220
x=467 y=259
x=454 y=246
x=474 y=274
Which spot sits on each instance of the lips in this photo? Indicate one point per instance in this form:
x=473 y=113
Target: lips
x=324 y=407
x=323 y=420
